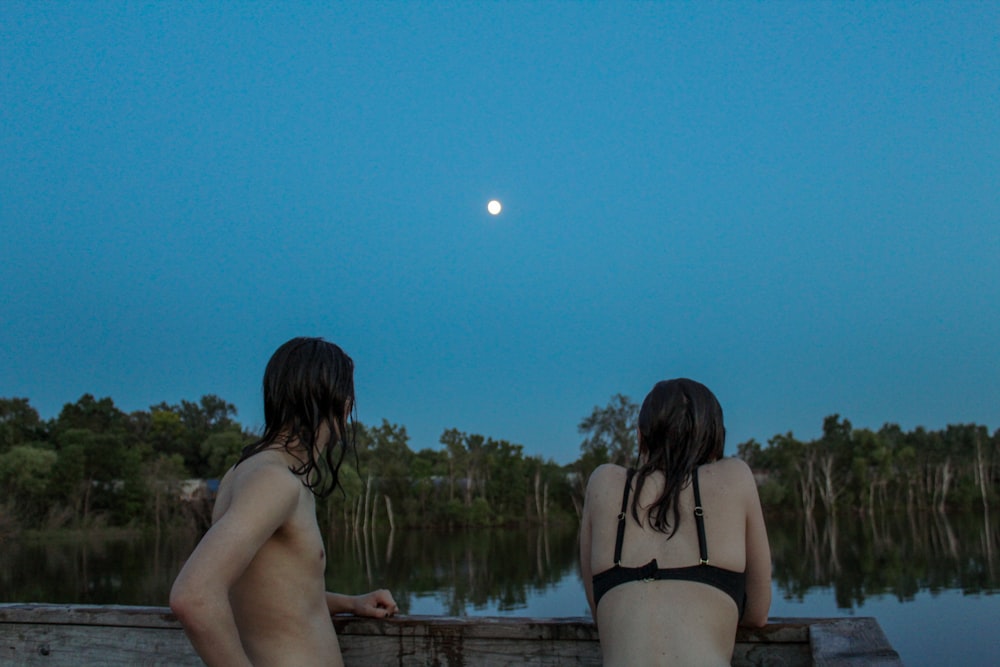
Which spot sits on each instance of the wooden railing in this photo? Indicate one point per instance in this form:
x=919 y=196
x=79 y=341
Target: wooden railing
x=77 y=635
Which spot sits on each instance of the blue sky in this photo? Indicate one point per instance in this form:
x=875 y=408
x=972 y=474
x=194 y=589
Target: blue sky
x=797 y=204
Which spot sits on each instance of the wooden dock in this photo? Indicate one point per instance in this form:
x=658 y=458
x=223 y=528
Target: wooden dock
x=78 y=635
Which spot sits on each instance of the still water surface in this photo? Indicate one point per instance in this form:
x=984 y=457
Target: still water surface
x=932 y=581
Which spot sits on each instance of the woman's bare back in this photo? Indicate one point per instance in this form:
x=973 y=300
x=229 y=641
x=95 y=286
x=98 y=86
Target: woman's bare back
x=669 y=621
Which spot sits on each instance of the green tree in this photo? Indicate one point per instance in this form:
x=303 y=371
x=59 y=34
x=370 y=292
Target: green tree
x=612 y=429
x=198 y=420
x=166 y=433
x=98 y=470
x=162 y=476
x=454 y=442
x=506 y=481
x=94 y=415
x=834 y=454
x=388 y=466
x=100 y=476
x=19 y=423
x=426 y=503
x=222 y=450
x=25 y=471
x=610 y=438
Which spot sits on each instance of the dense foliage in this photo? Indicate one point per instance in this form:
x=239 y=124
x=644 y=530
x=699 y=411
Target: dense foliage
x=888 y=469
x=94 y=465
x=470 y=480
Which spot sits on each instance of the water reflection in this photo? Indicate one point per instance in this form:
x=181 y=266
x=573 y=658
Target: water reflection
x=857 y=557
x=91 y=569
x=464 y=570
x=860 y=556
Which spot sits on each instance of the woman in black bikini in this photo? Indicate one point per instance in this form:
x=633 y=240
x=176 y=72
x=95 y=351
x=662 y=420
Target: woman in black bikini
x=674 y=555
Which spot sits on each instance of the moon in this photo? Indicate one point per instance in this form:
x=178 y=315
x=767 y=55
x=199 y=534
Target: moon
x=494 y=207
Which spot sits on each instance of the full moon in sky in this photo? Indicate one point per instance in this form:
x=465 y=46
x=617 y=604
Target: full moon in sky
x=494 y=207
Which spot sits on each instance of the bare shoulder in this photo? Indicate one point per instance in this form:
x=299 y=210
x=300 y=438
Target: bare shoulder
x=262 y=478
x=735 y=465
x=267 y=467
x=606 y=478
x=607 y=472
x=731 y=472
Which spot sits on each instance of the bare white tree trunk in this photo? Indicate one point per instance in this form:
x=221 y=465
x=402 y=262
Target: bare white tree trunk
x=388 y=510
x=807 y=485
x=947 y=475
x=368 y=495
x=538 y=499
x=981 y=473
x=545 y=503
x=828 y=489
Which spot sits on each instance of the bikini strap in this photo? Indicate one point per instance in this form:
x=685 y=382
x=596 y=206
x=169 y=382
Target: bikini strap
x=699 y=519
x=621 y=517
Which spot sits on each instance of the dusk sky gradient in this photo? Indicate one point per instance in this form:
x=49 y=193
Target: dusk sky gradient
x=797 y=204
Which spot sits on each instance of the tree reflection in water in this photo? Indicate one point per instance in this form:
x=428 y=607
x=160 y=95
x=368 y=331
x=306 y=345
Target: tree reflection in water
x=464 y=569
x=95 y=568
x=855 y=556
x=860 y=556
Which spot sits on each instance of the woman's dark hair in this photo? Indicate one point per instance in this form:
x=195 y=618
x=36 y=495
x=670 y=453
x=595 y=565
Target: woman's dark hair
x=307 y=382
x=680 y=428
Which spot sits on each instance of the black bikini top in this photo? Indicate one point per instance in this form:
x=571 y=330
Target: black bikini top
x=732 y=583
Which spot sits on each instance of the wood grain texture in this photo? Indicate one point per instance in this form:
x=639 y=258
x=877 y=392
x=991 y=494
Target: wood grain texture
x=850 y=642
x=75 y=635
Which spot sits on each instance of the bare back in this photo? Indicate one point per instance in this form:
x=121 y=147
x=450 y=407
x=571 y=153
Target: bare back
x=675 y=622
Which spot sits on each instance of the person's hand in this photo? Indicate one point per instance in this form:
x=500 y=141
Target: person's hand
x=377 y=604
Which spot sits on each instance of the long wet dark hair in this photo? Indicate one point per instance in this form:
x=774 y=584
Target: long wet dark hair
x=680 y=428
x=307 y=382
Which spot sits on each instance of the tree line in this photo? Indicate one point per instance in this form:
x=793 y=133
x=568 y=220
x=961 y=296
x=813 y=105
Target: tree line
x=96 y=465
x=847 y=468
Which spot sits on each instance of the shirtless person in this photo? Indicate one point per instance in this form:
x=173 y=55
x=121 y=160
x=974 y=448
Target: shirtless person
x=252 y=592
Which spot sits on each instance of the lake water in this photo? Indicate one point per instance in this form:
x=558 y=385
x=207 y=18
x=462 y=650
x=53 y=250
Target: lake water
x=932 y=581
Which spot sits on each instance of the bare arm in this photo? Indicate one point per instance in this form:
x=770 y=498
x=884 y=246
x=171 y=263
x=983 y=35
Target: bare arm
x=758 y=560
x=262 y=500
x=377 y=604
x=586 y=569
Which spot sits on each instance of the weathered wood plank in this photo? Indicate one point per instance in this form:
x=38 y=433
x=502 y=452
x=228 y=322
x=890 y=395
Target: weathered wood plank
x=69 y=645
x=459 y=653
x=772 y=655
x=420 y=640
x=778 y=630
x=119 y=616
x=480 y=627
x=850 y=642
x=489 y=642
x=73 y=635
